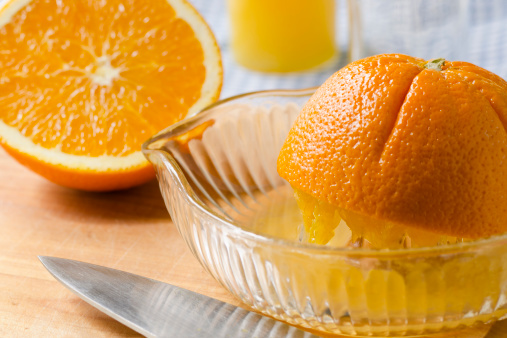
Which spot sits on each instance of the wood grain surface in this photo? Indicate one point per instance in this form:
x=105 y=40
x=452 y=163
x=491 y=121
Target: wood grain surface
x=129 y=230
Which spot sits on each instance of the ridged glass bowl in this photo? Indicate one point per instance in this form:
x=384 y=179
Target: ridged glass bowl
x=217 y=173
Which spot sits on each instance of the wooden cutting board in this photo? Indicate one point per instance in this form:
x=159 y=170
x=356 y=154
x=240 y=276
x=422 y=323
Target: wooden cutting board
x=129 y=230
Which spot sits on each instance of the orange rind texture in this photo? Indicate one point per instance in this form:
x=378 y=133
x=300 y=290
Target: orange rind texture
x=387 y=138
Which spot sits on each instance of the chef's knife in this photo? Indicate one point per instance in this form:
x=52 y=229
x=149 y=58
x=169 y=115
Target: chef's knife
x=156 y=309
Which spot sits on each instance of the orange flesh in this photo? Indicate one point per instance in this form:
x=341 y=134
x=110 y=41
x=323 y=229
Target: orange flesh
x=322 y=221
x=97 y=85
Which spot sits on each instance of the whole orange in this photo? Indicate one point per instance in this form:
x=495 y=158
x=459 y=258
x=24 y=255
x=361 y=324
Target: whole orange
x=413 y=142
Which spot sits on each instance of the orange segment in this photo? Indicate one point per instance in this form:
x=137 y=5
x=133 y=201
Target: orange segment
x=397 y=141
x=84 y=83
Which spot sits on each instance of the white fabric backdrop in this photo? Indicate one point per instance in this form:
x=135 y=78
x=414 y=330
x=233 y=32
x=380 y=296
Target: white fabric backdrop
x=488 y=46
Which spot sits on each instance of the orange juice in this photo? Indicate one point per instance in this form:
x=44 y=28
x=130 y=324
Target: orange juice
x=282 y=35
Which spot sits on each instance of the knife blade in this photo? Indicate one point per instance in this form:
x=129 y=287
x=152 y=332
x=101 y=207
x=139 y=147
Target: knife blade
x=156 y=309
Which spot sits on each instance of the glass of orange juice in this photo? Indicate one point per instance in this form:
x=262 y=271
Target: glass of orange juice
x=282 y=35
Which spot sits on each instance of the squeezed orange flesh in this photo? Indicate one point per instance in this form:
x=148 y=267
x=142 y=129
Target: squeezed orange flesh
x=321 y=220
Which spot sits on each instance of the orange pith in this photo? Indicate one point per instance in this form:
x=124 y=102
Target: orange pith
x=388 y=138
x=84 y=83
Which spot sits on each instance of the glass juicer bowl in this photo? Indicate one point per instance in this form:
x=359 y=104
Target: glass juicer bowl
x=217 y=173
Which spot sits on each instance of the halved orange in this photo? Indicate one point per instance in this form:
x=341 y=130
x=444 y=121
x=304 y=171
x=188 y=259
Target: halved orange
x=84 y=83
x=397 y=142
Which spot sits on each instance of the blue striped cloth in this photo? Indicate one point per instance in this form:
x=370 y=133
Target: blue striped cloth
x=487 y=42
